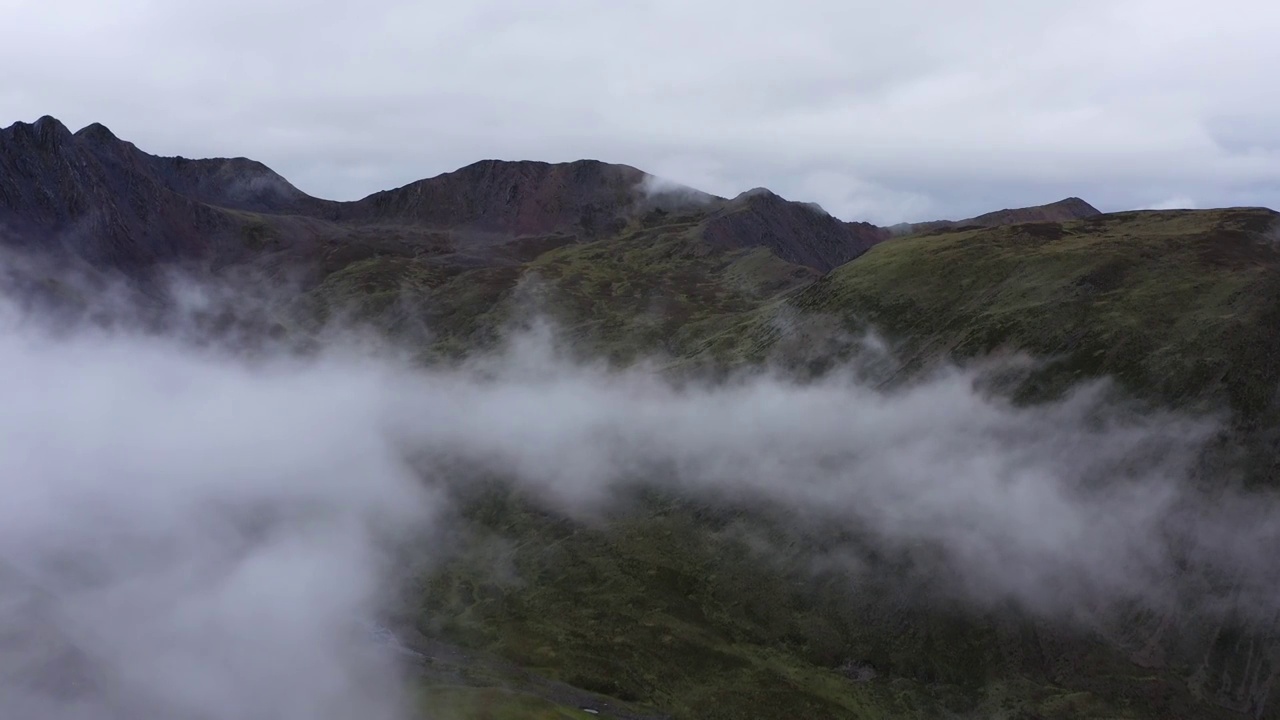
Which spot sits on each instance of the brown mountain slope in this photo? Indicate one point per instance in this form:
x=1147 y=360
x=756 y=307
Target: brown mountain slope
x=514 y=199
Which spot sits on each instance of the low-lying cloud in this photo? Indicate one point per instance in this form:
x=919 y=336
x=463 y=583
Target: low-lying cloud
x=202 y=536
x=205 y=527
x=1061 y=508
x=665 y=193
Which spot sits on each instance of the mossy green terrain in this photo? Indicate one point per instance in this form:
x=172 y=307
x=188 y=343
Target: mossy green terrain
x=1178 y=306
x=655 y=289
x=666 y=608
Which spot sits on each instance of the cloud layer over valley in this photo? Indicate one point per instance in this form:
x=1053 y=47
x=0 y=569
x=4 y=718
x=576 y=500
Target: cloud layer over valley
x=208 y=527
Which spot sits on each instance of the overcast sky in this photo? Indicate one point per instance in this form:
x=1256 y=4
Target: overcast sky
x=909 y=110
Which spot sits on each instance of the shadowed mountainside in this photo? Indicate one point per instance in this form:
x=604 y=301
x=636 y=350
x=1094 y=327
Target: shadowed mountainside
x=761 y=218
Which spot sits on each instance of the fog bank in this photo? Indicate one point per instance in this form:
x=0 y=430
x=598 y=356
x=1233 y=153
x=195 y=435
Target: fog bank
x=194 y=535
x=206 y=528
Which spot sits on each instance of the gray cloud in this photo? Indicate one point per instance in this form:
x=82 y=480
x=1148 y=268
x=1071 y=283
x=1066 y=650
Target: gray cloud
x=1067 y=509
x=201 y=536
x=909 y=112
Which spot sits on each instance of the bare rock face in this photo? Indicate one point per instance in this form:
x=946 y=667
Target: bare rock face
x=97 y=199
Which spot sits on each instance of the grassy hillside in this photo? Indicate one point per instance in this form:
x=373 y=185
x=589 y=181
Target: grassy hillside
x=665 y=607
x=655 y=289
x=1175 y=305
x=1180 y=306
x=669 y=609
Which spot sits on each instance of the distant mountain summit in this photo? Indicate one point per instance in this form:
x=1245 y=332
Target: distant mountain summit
x=1072 y=208
x=515 y=198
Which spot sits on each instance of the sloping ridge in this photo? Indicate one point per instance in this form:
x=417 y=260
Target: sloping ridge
x=1072 y=208
x=1065 y=210
x=514 y=198
x=799 y=233
x=233 y=183
x=96 y=199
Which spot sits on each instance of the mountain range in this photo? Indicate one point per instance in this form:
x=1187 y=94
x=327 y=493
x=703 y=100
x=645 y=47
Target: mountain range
x=101 y=198
x=1180 y=308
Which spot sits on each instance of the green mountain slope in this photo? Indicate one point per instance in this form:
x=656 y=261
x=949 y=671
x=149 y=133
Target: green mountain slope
x=655 y=288
x=665 y=608
x=1177 y=305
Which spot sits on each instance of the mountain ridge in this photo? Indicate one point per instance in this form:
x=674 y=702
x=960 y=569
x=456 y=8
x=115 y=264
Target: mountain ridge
x=94 y=197
x=158 y=208
x=94 y=168
x=1070 y=208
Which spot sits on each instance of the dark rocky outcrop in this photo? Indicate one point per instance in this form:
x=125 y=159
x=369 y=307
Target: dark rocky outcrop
x=799 y=233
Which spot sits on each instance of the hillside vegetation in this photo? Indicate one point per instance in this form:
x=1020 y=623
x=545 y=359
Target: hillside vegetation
x=664 y=609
